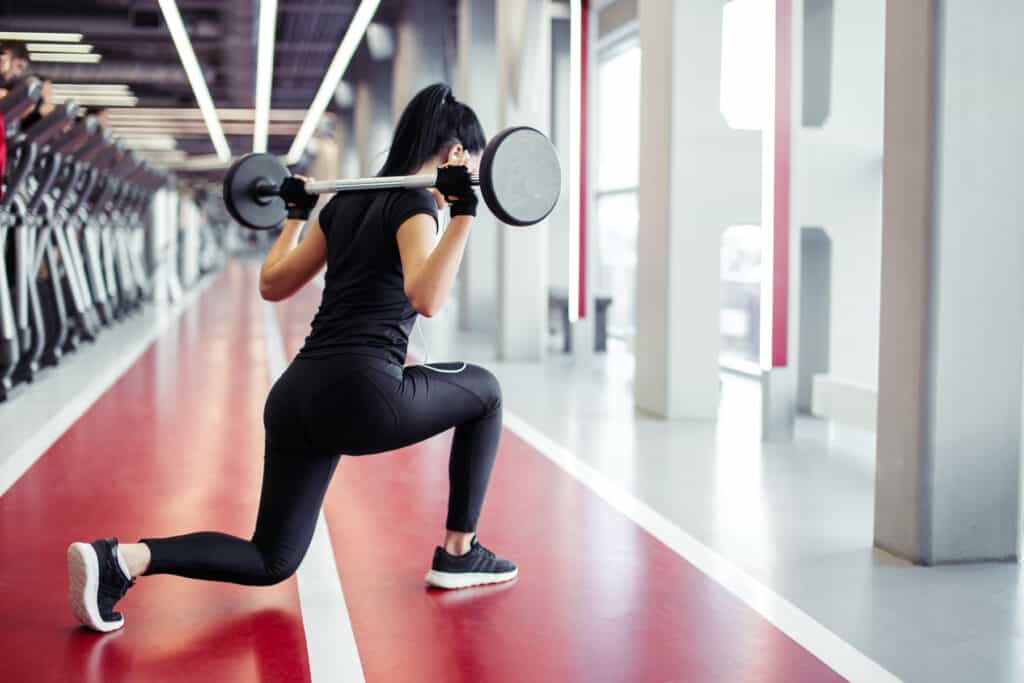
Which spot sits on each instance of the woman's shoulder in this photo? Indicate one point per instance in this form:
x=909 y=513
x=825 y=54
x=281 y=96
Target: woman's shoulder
x=406 y=203
x=413 y=196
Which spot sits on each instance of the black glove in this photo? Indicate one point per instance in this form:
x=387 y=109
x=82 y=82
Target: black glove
x=298 y=202
x=455 y=184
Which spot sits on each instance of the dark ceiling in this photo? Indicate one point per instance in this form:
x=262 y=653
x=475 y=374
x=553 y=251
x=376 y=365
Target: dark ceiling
x=137 y=50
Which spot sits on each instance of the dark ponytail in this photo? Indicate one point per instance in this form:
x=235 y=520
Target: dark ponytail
x=432 y=121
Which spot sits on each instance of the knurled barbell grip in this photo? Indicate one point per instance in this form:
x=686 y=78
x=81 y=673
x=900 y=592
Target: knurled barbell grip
x=382 y=183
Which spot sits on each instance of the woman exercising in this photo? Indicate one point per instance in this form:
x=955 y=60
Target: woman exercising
x=347 y=390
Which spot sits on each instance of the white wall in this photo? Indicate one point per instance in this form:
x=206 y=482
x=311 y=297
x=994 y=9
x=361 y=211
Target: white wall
x=839 y=173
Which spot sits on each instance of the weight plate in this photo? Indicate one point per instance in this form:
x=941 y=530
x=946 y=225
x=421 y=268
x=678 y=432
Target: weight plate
x=241 y=199
x=520 y=176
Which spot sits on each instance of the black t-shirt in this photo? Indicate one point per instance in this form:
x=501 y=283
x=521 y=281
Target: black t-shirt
x=364 y=309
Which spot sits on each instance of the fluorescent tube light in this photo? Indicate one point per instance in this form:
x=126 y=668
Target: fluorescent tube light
x=264 y=74
x=335 y=71
x=172 y=17
x=47 y=37
x=59 y=47
x=67 y=57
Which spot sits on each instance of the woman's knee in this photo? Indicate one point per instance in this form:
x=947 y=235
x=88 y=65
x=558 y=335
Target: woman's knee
x=486 y=386
x=278 y=567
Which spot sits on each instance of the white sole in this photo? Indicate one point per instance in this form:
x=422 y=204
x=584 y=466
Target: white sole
x=83 y=587
x=466 y=580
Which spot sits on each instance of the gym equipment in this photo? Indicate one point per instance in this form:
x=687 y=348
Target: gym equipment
x=20 y=100
x=520 y=179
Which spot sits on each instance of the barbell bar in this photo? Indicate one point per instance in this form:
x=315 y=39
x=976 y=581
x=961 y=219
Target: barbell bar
x=520 y=179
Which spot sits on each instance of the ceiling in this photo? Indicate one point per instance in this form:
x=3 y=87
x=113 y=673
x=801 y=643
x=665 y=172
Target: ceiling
x=137 y=50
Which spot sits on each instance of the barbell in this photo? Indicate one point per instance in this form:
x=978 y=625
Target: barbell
x=520 y=179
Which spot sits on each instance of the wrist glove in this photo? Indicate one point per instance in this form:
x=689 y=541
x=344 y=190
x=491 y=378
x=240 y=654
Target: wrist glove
x=455 y=183
x=298 y=202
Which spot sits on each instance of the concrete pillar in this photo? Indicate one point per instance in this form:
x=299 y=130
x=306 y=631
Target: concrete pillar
x=524 y=98
x=164 y=207
x=697 y=177
x=373 y=115
x=952 y=302
x=419 y=51
x=189 y=215
x=476 y=85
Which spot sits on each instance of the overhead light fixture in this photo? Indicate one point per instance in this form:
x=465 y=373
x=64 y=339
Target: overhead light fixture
x=243 y=129
x=149 y=142
x=29 y=36
x=335 y=71
x=156 y=113
x=98 y=100
x=59 y=47
x=92 y=88
x=91 y=58
x=172 y=17
x=204 y=162
x=264 y=74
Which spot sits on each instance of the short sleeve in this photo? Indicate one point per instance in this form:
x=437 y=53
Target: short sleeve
x=327 y=214
x=407 y=204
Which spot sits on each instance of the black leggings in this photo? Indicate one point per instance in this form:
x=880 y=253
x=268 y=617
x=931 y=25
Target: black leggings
x=356 y=405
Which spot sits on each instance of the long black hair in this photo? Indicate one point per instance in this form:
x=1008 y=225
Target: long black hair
x=432 y=121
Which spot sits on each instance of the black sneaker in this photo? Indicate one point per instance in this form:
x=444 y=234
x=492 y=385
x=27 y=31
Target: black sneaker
x=477 y=567
x=95 y=583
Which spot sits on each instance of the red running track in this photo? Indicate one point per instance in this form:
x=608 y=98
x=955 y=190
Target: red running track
x=175 y=445
x=598 y=598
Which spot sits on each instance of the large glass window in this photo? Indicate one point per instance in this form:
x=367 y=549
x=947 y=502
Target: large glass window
x=741 y=297
x=618 y=168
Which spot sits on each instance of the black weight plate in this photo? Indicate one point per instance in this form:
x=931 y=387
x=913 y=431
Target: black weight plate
x=240 y=198
x=520 y=176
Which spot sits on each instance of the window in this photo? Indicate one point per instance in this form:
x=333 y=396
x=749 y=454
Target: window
x=740 y=320
x=744 y=84
x=616 y=189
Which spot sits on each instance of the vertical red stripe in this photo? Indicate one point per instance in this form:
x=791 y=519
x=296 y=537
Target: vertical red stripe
x=584 y=30
x=781 y=217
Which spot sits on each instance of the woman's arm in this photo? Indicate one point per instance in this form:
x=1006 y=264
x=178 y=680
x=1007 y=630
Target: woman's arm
x=429 y=271
x=287 y=267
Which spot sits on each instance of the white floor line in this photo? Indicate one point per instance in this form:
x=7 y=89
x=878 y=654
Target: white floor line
x=13 y=466
x=842 y=657
x=330 y=641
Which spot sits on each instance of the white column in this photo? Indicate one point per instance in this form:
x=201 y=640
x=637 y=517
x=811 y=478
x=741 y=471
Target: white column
x=476 y=85
x=952 y=302
x=697 y=176
x=189 y=242
x=524 y=98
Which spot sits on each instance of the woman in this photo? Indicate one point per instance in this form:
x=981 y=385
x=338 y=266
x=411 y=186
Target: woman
x=347 y=390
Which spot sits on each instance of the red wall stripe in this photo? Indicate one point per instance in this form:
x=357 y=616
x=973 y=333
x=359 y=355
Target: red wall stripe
x=781 y=217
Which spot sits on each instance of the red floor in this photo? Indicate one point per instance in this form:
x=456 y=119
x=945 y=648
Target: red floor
x=598 y=599
x=175 y=446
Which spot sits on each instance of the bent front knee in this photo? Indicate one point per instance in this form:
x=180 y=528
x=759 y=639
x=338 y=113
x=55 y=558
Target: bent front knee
x=487 y=388
x=278 y=569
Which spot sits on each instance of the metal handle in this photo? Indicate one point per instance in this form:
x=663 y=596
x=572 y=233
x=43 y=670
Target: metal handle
x=384 y=183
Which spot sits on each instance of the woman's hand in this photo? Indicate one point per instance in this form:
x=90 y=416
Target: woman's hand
x=298 y=202
x=454 y=184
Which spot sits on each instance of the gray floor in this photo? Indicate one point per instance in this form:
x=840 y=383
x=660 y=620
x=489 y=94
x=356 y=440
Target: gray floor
x=797 y=516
